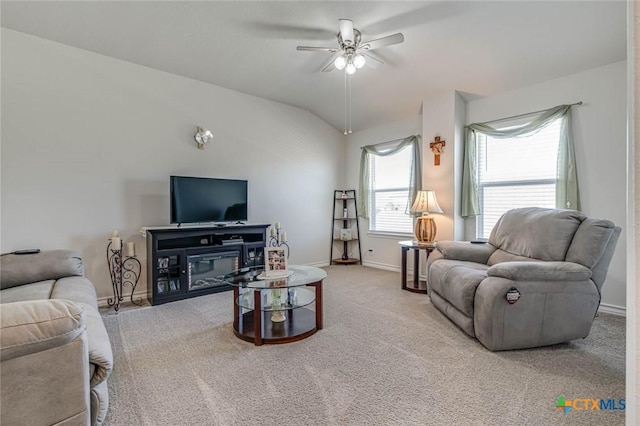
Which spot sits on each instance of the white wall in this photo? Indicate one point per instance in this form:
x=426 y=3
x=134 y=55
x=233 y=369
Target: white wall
x=443 y=115
x=600 y=139
x=385 y=249
x=89 y=143
x=599 y=130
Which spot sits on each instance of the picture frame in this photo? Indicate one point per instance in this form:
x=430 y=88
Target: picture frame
x=275 y=261
x=345 y=234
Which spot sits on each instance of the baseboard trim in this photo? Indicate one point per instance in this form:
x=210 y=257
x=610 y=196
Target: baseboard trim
x=393 y=268
x=613 y=309
x=384 y=266
x=318 y=264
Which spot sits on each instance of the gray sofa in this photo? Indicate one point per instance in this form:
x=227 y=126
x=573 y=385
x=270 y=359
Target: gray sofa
x=552 y=263
x=55 y=354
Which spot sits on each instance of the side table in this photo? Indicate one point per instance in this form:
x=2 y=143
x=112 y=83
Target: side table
x=418 y=286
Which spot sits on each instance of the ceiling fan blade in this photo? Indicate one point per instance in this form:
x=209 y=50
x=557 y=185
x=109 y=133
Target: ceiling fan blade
x=314 y=49
x=372 y=59
x=346 y=30
x=381 y=42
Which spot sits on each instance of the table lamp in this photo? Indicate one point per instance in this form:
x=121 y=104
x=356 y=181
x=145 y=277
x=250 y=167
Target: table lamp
x=425 y=203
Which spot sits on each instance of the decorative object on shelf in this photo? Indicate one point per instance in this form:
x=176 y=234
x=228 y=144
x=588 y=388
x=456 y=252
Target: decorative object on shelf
x=343 y=195
x=276 y=262
x=278 y=238
x=345 y=234
x=124 y=271
x=277 y=314
x=203 y=137
x=437 y=147
x=425 y=203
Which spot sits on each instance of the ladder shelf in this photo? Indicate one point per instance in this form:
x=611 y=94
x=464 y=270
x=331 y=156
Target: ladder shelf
x=345 y=216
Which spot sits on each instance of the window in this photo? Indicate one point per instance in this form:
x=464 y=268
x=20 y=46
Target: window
x=516 y=172
x=389 y=179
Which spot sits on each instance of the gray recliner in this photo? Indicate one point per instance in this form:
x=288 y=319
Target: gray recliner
x=551 y=262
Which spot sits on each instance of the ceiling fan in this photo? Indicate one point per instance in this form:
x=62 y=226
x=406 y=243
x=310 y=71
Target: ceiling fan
x=351 y=53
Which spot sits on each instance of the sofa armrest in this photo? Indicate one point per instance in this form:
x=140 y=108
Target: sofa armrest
x=465 y=251
x=100 y=353
x=44 y=369
x=548 y=312
x=540 y=271
x=35 y=326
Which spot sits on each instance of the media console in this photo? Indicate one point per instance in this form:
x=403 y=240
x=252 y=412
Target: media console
x=191 y=261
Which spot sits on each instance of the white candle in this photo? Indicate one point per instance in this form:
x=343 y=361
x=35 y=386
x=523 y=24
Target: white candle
x=284 y=237
x=114 y=233
x=277 y=225
x=273 y=232
x=131 y=249
x=116 y=243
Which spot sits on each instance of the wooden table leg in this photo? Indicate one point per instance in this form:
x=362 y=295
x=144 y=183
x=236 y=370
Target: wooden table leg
x=416 y=268
x=319 y=316
x=236 y=308
x=404 y=268
x=257 y=316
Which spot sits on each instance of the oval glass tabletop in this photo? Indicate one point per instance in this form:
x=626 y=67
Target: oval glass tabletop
x=302 y=275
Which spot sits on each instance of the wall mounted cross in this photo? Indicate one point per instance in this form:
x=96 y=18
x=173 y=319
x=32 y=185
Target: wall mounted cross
x=437 y=147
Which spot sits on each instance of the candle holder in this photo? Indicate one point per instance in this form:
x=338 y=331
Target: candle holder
x=124 y=271
x=278 y=240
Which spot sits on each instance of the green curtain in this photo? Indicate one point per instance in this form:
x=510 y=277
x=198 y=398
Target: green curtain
x=567 y=190
x=384 y=149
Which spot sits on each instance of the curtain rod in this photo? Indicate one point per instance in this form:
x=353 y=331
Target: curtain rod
x=392 y=140
x=524 y=115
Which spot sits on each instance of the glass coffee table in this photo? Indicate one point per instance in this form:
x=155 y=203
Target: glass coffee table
x=276 y=310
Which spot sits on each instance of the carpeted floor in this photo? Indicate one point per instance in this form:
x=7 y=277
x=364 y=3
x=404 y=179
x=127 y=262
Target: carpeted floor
x=385 y=357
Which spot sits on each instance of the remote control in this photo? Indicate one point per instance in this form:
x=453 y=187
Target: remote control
x=27 y=251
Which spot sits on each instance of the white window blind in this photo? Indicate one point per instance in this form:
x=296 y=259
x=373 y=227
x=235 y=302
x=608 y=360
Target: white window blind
x=516 y=172
x=390 y=177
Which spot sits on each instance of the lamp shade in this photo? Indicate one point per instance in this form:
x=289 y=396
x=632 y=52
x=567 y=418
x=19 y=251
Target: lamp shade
x=426 y=202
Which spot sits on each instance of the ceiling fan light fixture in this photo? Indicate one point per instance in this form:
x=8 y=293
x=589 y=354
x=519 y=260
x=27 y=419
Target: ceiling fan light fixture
x=359 y=60
x=340 y=62
x=350 y=68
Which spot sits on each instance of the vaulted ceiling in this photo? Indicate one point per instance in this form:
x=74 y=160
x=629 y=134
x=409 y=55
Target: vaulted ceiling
x=476 y=47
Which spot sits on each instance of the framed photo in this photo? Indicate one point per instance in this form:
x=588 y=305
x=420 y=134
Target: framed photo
x=345 y=234
x=276 y=261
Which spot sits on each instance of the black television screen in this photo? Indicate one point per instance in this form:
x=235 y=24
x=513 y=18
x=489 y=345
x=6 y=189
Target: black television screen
x=197 y=200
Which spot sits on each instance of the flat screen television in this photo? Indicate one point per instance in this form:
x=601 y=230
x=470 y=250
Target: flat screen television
x=201 y=200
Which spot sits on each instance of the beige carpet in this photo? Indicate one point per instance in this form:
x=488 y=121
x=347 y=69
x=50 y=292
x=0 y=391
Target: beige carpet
x=385 y=357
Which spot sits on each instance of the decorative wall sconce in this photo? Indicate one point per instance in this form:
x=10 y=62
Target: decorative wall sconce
x=124 y=271
x=203 y=137
x=437 y=147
